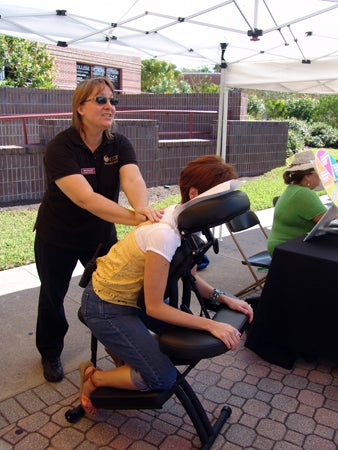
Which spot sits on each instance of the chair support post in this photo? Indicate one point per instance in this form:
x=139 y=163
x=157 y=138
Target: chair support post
x=192 y=405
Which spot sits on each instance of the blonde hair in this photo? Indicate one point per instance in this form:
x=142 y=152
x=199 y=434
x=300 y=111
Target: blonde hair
x=82 y=92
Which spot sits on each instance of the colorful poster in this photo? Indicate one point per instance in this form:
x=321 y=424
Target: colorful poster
x=327 y=168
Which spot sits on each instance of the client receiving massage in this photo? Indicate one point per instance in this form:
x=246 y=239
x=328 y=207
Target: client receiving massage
x=141 y=260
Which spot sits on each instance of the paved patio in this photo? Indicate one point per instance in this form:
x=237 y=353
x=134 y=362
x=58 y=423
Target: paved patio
x=272 y=408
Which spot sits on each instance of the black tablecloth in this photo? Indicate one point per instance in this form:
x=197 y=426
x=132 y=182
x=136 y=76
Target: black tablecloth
x=298 y=310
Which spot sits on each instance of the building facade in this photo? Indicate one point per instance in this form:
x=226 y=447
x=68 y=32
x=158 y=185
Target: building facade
x=74 y=64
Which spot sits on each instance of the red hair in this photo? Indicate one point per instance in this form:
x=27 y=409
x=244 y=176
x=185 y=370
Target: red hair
x=203 y=173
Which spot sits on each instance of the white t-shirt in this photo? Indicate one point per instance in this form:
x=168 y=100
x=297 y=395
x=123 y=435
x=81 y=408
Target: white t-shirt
x=161 y=237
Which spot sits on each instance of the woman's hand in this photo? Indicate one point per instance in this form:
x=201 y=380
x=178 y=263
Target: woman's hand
x=238 y=305
x=229 y=335
x=135 y=189
x=154 y=215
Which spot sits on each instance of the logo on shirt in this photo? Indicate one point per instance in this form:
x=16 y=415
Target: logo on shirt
x=110 y=160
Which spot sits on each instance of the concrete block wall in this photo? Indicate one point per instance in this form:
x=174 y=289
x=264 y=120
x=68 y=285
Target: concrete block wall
x=22 y=178
x=175 y=154
x=48 y=101
x=253 y=148
x=143 y=134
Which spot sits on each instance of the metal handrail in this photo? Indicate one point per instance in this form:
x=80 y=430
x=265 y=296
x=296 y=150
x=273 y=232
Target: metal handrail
x=124 y=112
x=22 y=117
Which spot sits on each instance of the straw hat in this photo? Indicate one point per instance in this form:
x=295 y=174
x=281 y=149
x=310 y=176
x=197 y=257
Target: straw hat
x=302 y=161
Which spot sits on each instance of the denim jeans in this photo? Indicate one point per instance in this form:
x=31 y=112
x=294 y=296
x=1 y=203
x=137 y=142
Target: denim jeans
x=124 y=331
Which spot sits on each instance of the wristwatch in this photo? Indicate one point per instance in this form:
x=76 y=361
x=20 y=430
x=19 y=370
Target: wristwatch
x=214 y=297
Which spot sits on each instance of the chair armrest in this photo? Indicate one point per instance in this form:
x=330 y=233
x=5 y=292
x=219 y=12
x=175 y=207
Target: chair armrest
x=193 y=345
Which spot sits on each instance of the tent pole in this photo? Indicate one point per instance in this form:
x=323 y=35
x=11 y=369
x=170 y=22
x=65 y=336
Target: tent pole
x=222 y=108
x=225 y=123
x=222 y=118
x=220 y=115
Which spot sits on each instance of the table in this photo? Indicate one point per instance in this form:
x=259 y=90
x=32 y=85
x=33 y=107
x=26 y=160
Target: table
x=297 y=314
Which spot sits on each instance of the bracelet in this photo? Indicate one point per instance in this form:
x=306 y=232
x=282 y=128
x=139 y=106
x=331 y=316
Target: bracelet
x=214 y=296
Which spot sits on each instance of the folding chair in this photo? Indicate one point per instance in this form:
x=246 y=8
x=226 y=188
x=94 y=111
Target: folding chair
x=185 y=347
x=275 y=200
x=262 y=259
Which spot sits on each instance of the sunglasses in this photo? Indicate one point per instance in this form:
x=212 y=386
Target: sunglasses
x=100 y=100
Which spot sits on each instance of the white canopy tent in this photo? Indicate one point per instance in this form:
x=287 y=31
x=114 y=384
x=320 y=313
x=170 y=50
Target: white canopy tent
x=290 y=41
x=282 y=45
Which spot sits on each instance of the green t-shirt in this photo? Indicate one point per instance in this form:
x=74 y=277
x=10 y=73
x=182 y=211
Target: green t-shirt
x=293 y=214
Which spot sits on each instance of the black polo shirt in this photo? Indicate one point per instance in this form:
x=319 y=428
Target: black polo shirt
x=60 y=221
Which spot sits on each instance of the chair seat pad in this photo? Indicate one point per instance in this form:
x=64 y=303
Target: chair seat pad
x=262 y=259
x=111 y=398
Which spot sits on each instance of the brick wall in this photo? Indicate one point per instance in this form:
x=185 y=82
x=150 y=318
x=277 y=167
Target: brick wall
x=255 y=147
x=174 y=155
x=45 y=101
x=66 y=59
x=252 y=147
x=22 y=175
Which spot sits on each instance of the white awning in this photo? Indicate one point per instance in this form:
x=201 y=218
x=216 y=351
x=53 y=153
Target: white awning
x=289 y=45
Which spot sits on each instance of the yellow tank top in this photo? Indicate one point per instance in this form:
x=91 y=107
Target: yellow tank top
x=119 y=275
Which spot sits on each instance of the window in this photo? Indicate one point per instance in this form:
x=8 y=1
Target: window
x=84 y=71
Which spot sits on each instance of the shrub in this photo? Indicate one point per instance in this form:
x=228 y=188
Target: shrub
x=297 y=135
x=315 y=141
x=256 y=107
x=301 y=108
x=326 y=110
x=321 y=135
x=276 y=109
x=295 y=142
x=300 y=127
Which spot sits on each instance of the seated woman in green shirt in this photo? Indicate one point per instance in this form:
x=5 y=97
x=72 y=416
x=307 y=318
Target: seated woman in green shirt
x=298 y=208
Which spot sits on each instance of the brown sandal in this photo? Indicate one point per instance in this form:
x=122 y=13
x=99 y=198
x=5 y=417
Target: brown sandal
x=85 y=375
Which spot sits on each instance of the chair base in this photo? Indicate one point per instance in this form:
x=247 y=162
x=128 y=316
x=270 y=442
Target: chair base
x=185 y=347
x=109 y=398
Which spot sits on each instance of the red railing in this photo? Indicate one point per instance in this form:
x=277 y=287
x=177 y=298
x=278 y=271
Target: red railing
x=190 y=133
x=150 y=113
x=23 y=117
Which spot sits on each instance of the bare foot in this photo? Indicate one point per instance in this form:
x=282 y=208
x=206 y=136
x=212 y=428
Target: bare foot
x=87 y=387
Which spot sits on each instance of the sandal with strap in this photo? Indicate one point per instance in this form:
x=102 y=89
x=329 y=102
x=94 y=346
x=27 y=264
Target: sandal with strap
x=86 y=375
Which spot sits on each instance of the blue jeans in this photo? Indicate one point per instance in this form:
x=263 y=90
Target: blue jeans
x=124 y=331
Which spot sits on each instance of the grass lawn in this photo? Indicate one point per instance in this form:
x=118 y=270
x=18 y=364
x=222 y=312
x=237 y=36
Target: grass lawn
x=17 y=236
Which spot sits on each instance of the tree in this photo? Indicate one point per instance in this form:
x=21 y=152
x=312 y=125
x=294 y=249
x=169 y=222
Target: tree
x=202 y=85
x=160 y=77
x=327 y=109
x=25 y=64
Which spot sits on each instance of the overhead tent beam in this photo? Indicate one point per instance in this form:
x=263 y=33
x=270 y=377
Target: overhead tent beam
x=243 y=15
x=168 y=33
x=26 y=29
x=189 y=17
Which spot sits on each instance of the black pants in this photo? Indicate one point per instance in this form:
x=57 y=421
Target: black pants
x=55 y=266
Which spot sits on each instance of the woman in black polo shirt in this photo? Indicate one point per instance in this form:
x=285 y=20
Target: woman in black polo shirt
x=85 y=167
